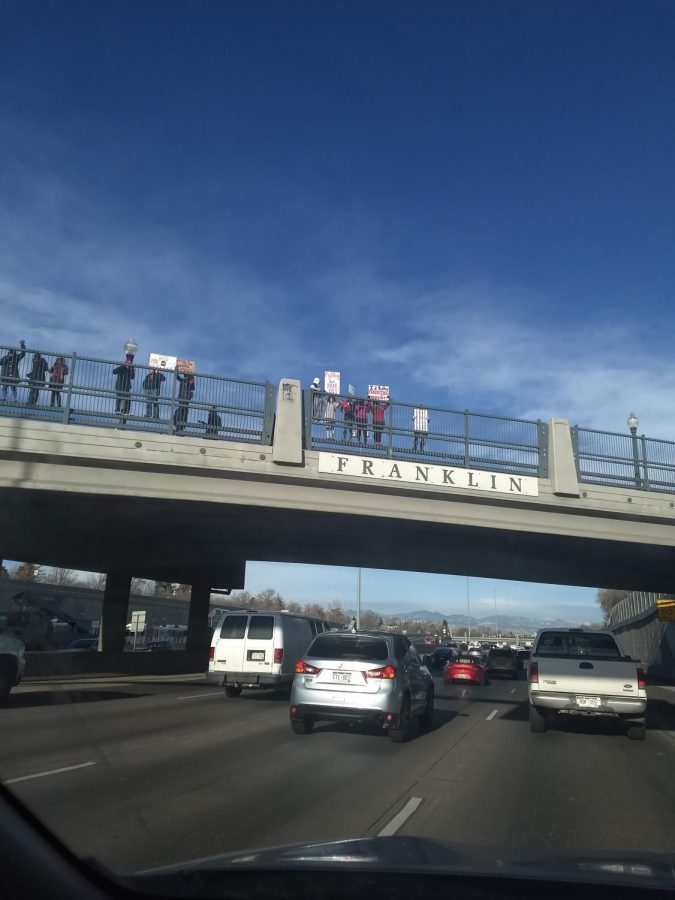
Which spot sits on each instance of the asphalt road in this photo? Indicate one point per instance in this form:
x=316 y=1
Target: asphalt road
x=141 y=772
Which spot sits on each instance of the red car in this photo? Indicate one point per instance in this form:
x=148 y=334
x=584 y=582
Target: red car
x=466 y=668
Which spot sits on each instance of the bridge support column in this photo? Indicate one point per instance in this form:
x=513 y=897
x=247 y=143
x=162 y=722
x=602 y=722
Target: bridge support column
x=114 y=612
x=199 y=633
x=561 y=463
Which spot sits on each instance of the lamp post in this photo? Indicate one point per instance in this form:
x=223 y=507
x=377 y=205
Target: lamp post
x=131 y=347
x=468 y=609
x=632 y=421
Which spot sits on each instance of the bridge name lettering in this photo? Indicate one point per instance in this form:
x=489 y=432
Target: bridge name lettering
x=448 y=477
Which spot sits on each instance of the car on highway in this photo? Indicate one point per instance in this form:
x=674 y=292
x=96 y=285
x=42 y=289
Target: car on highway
x=466 y=668
x=81 y=645
x=364 y=676
x=577 y=672
x=12 y=663
x=258 y=649
x=440 y=657
x=503 y=661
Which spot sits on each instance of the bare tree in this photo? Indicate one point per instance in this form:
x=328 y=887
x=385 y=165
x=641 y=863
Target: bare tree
x=60 y=576
x=95 y=581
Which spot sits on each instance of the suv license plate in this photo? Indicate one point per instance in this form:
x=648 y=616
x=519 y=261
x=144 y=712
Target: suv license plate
x=593 y=702
x=342 y=676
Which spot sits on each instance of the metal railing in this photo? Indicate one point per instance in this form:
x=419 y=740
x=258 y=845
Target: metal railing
x=639 y=603
x=83 y=390
x=624 y=460
x=442 y=436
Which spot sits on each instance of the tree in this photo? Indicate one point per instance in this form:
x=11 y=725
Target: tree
x=269 y=599
x=315 y=610
x=335 y=613
x=445 y=627
x=293 y=607
x=60 y=576
x=27 y=572
x=95 y=581
x=368 y=620
x=607 y=598
x=140 y=586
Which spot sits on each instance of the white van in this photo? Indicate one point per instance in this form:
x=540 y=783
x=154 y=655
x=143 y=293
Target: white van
x=259 y=649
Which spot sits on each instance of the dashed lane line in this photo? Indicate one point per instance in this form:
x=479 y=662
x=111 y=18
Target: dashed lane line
x=492 y=715
x=400 y=818
x=50 y=772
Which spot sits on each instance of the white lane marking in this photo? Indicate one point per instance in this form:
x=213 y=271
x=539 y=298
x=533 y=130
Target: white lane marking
x=492 y=714
x=197 y=696
x=400 y=817
x=50 y=772
x=512 y=691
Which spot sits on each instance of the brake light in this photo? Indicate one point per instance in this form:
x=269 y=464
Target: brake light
x=279 y=654
x=642 y=681
x=534 y=673
x=303 y=668
x=383 y=672
x=212 y=653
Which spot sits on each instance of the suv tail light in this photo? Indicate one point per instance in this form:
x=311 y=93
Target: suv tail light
x=278 y=654
x=642 y=681
x=303 y=668
x=212 y=653
x=534 y=673
x=383 y=672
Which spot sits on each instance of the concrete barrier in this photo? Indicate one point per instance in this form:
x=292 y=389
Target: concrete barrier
x=46 y=664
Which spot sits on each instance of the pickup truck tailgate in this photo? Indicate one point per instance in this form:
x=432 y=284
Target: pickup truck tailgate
x=610 y=677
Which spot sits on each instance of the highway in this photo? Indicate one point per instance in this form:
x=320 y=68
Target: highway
x=139 y=772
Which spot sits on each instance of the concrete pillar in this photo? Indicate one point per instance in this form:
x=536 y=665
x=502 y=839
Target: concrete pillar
x=562 y=468
x=199 y=633
x=114 y=612
x=287 y=443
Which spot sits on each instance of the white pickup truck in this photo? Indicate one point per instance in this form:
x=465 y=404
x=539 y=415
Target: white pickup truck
x=579 y=672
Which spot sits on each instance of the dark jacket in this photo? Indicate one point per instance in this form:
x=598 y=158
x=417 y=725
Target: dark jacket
x=58 y=371
x=186 y=385
x=153 y=380
x=214 y=422
x=39 y=369
x=125 y=373
x=9 y=365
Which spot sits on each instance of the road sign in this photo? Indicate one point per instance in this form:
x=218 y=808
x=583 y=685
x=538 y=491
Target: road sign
x=665 y=601
x=666 y=613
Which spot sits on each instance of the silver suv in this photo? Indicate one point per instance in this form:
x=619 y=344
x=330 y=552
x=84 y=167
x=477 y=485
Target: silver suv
x=362 y=676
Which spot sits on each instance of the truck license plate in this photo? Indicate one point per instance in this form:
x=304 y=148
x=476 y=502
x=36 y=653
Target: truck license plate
x=592 y=702
x=257 y=655
x=342 y=676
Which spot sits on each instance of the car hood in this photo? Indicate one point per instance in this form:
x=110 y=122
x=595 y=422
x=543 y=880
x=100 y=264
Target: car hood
x=411 y=855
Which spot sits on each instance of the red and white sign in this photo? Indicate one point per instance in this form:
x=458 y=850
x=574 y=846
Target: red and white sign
x=331 y=382
x=159 y=361
x=378 y=391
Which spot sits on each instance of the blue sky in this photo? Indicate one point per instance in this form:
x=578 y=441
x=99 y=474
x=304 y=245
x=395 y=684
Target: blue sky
x=470 y=201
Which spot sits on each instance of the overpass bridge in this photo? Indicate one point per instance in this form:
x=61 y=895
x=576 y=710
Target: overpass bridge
x=95 y=486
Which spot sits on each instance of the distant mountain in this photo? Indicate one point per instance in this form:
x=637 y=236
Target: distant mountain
x=454 y=619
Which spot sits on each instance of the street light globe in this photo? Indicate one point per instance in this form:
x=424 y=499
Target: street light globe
x=632 y=421
x=131 y=347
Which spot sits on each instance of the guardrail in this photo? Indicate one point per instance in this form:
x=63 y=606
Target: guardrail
x=637 y=604
x=635 y=461
x=429 y=434
x=83 y=390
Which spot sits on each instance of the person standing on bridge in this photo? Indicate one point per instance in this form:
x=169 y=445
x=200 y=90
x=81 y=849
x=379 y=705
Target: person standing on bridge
x=329 y=415
x=378 y=408
x=214 y=423
x=317 y=400
x=347 y=407
x=57 y=377
x=37 y=378
x=125 y=374
x=361 y=410
x=9 y=370
x=152 y=385
x=420 y=428
x=186 y=389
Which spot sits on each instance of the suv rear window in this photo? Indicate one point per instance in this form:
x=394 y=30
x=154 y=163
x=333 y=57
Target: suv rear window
x=560 y=643
x=505 y=654
x=261 y=628
x=339 y=646
x=233 y=627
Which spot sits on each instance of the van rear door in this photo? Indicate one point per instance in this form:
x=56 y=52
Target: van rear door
x=229 y=650
x=259 y=645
